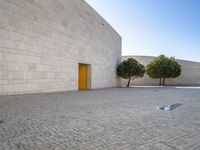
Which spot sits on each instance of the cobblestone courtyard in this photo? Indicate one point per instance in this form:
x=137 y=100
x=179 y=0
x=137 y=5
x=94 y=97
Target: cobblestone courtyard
x=106 y=119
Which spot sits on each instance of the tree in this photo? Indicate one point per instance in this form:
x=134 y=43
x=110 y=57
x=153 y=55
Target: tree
x=175 y=69
x=163 y=67
x=130 y=69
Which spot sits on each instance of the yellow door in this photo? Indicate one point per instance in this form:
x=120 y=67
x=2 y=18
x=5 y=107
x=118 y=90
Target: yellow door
x=82 y=77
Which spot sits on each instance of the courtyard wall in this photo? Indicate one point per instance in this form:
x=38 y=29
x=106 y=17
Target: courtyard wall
x=190 y=73
x=43 y=41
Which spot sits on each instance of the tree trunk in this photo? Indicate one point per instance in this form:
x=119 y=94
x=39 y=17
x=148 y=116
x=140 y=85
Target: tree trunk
x=129 y=79
x=163 y=81
x=160 y=82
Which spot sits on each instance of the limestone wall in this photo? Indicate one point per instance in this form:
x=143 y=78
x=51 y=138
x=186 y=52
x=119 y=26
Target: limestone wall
x=42 y=42
x=190 y=73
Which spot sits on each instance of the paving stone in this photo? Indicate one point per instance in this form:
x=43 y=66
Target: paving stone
x=112 y=119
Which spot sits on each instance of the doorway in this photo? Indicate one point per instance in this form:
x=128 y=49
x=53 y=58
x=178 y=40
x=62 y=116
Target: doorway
x=83 y=76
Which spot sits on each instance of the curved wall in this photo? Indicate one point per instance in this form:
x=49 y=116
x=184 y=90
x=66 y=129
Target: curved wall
x=190 y=73
x=43 y=41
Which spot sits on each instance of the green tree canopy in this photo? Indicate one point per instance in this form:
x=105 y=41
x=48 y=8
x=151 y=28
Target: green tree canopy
x=163 y=67
x=130 y=69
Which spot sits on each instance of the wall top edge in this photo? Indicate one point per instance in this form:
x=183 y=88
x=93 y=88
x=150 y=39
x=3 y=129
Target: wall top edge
x=150 y=57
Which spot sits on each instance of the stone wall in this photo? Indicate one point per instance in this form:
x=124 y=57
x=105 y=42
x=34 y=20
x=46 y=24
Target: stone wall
x=43 y=41
x=190 y=73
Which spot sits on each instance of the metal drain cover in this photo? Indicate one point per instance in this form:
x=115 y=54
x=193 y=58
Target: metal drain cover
x=170 y=107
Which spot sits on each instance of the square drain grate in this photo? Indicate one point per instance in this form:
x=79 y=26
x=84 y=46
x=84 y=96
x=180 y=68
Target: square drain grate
x=170 y=107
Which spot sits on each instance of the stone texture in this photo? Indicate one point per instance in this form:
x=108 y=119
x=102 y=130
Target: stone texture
x=107 y=119
x=42 y=42
x=190 y=74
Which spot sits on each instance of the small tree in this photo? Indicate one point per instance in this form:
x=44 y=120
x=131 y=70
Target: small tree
x=163 y=67
x=175 y=69
x=130 y=69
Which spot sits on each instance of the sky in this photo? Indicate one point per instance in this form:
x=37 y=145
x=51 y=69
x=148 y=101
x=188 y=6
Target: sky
x=154 y=27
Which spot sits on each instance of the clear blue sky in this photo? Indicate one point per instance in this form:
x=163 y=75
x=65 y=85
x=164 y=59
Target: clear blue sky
x=153 y=27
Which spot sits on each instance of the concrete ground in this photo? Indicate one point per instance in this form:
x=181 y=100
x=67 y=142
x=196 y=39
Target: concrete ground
x=106 y=119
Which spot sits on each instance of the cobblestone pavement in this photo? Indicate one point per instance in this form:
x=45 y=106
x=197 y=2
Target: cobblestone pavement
x=106 y=119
